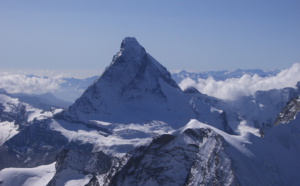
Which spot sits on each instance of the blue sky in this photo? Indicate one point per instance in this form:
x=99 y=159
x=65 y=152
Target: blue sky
x=192 y=35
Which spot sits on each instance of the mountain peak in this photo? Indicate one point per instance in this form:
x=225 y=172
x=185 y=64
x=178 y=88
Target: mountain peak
x=129 y=41
x=133 y=83
x=130 y=50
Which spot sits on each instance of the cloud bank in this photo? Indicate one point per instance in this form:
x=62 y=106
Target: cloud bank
x=227 y=89
x=19 y=83
x=246 y=85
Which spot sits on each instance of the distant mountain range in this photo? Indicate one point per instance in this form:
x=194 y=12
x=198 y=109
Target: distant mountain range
x=133 y=125
x=222 y=75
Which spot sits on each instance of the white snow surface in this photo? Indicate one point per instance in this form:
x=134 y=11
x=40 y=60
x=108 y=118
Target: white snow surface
x=123 y=137
x=7 y=131
x=237 y=141
x=37 y=176
x=8 y=103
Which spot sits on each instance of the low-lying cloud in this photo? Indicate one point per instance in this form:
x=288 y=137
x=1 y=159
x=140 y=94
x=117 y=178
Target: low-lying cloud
x=19 y=83
x=246 y=85
x=227 y=89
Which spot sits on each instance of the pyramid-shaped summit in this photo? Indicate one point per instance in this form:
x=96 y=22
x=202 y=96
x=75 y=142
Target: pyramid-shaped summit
x=133 y=87
x=132 y=63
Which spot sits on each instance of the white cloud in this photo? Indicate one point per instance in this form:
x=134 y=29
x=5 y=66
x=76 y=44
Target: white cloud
x=16 y=83
x=228 y=89
x=246 y=85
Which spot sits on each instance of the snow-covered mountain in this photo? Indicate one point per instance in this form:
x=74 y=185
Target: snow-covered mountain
x=134 y=88
x=134 y=100
x=254 y=113
x=221 y=75
x=135 y=126
x=16 y=115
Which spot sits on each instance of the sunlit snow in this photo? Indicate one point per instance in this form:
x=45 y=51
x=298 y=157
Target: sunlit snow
x=38 y=176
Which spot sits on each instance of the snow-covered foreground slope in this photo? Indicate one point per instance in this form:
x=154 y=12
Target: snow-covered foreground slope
x=276 y=160
x=193 y=155
x=200 y=154
x=38 y=176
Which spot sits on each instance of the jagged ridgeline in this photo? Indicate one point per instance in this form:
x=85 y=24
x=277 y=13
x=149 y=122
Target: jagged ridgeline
x=135 y=126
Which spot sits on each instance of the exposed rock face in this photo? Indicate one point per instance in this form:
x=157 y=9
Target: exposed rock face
x=93 y=182
x=81 y=163
x=195 y=157
x=87 y=163
x=289 y=112
x=33 y=146
x=213 y=166
x=12 y=110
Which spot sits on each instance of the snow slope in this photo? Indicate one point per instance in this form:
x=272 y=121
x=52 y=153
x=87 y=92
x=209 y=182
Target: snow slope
x=8 y=130
x=199 y=154
x=38 y=176
x=192 y=155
